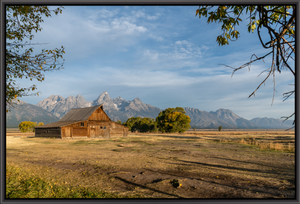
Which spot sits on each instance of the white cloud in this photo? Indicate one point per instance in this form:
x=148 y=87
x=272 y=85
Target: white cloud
x=141 y=14
x=140 y=78
x=152 y=56
x=155 y=37
x=101 y=13
x=177 y=55
x=135 y=51
x=138 y=14
x=155 y=17
x=94 y=29
x=181 y=42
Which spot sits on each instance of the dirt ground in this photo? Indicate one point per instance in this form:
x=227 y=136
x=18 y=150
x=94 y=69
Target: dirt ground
x=191 y=165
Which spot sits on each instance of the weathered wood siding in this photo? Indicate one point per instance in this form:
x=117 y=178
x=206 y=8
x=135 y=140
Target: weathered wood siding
x=101 y=123
x=75 y=125
x=116 y=125
x=80 y=131
x=97 y=125
x=99 y=114
x=116 y=132
x=48 y=132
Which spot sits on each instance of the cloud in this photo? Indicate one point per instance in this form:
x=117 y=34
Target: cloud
x=155 y=17
x=155 y=37
x=159 y=56
x=101 y=13
x=139 y=78
x=141 y=14
x=88 y=31
x=181 y=42
x=176 y=55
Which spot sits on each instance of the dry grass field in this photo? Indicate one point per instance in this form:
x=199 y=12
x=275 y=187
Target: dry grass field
x=196 y=164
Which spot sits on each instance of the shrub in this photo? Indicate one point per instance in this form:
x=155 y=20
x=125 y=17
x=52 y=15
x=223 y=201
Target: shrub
x=173 y=120
x=141 y=124
x=28 y=126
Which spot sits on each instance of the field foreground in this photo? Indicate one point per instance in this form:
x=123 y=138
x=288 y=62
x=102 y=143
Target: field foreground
x=226 y=164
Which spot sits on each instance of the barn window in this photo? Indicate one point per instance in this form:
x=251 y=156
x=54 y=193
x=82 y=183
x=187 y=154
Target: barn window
x=104 y=127
x=82 y=124
x=101 y=127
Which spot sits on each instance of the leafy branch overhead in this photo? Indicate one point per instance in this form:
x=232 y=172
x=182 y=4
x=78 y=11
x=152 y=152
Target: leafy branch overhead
x=22 y=61
x=277 y=23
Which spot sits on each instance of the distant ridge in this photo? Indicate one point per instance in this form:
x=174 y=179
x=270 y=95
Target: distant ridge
x=55 y=107
x=116 y=109
x=272 y=123
x=27 y=112
x=203 y=119
x=230 y=117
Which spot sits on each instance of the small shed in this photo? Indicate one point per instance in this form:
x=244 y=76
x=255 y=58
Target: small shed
x=90 y=122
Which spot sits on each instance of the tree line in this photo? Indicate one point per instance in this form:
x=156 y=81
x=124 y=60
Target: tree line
x=170 y=120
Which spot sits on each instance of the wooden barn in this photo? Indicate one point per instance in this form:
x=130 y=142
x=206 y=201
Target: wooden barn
x=87 y=122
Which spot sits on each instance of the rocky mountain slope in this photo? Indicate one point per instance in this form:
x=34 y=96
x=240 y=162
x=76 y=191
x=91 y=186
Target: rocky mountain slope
x=55 y=107
x=203 y=119
x=272 y=123
x=116 y=109
x=27 y=112
x=233 y=119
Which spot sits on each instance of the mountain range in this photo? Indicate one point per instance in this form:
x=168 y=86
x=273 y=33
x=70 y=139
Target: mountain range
x=55 y=107
x=27 y=112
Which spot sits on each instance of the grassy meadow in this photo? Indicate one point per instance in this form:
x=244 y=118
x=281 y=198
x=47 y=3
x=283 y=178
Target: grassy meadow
x=196 y=164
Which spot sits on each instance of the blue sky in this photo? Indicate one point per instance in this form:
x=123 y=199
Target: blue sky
x=163 y=55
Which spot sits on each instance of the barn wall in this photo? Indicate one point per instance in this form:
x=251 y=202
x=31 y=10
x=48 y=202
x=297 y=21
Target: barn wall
x=99 y=114
x=99 y=129
x=66 y=132
x=125 y=132
x=99 y=123
x=116 y=132
x=79 y=131
x=48 y=132
x=76 y=125
x=116 y=125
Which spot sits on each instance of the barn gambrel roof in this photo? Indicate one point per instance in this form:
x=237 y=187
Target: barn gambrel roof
x=73 y=116
x=78 y=114
x=57 y=124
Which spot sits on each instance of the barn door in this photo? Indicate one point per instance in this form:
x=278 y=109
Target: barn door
x=98 y=131
x=92 y=132
x=67 y=132
x=101 y=132
x=106 y=132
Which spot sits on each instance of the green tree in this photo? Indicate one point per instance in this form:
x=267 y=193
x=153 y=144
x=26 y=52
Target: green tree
x=147 y=125
x=220 y=128
x=173 y=120
x=119 y=121
x=141 y=124
x=278 y=24
x=131 y=123
x=22 y=61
